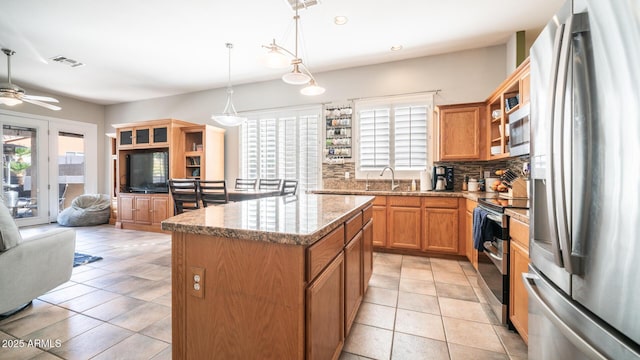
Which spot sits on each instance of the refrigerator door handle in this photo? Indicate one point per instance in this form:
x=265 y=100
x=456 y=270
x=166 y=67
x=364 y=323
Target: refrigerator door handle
x=534 y=296
x=583 y=150
x=550 y=176
x=559 y=166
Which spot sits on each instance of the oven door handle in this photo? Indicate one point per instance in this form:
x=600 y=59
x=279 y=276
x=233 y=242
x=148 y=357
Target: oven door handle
x=495 y=218
x=492 y=250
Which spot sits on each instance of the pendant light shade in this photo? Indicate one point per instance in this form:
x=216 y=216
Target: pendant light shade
x=295 y=77
x=229 y=116
x=312 y=89
x=275 y=59
x=278 y=57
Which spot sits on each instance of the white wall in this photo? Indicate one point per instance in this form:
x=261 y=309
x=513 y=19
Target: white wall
x=466 y=76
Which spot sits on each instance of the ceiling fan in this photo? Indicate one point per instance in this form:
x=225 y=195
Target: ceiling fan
x=11 y=94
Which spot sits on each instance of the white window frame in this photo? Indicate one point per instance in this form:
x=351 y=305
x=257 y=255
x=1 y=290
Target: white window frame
x=392 y=102
x=286 y=113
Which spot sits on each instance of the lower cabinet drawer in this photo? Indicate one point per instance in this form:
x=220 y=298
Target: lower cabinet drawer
x=320 y=254
x=352 y=226
x=367 y=213
x=440 y=202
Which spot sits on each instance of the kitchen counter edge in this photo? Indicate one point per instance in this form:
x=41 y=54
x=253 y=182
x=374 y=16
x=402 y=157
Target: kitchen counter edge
x=191 y=223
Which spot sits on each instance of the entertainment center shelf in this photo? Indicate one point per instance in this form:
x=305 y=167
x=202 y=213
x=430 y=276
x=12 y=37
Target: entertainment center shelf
x=149 y=154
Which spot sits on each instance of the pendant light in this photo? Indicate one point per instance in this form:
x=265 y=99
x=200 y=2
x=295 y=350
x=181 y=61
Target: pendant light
x=229 y=116
x=300 y=74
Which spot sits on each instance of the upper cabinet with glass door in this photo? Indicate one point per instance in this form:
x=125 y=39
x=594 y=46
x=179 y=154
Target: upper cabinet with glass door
x=152 y=134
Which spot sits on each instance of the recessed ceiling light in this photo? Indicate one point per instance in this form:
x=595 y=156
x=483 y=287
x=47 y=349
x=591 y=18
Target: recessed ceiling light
x=396 y=48
x=340 y=20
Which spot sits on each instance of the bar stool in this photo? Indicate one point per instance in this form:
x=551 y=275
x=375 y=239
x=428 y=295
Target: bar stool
x=289 y=187
x=246 y=183
x=185 y=195
x=270 y=184
x=213 y=192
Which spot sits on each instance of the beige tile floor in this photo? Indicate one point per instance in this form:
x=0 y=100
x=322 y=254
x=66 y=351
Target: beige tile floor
x=120 y=308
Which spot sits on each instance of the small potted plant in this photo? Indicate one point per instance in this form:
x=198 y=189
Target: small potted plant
x=19 y=166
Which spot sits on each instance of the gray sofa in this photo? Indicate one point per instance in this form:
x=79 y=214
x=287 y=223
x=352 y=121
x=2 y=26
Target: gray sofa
x=32 y=266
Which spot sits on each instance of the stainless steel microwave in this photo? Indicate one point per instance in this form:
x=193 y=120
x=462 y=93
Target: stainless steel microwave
x=519 y=131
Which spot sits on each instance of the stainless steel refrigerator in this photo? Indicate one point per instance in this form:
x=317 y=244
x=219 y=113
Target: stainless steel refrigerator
x=584 y=277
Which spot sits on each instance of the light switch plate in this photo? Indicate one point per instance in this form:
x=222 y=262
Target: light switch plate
x=195 y=282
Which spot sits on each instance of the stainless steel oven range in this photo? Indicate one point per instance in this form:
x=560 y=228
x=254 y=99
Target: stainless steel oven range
x=493 y=262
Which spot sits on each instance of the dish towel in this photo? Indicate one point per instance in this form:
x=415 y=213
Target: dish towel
x=481 y=228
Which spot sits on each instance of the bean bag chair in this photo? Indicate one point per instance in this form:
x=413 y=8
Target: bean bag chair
x=86 y=210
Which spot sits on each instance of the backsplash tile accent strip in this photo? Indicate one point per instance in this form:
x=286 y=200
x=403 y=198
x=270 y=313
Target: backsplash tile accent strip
x=333 y=174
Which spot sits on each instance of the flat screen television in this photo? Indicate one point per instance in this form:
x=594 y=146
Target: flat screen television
x=148 y=172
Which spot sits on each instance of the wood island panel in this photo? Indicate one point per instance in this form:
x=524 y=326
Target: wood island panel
x=238 y=293
x=239 y=311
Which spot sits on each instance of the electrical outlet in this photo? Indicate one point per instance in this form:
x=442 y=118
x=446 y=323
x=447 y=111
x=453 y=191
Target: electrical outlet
x=197 y=282
x=347 y=175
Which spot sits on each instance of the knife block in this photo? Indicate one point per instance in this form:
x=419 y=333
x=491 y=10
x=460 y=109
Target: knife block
x=518 y=189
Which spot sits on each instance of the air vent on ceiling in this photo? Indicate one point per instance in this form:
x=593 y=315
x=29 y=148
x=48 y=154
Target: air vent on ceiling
x=302 y=4
x=66 y=61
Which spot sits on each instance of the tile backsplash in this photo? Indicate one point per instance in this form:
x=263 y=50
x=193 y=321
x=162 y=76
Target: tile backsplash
x=333 y=174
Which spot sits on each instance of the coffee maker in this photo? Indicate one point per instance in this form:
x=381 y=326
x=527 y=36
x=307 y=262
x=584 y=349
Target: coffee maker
x=442 y=179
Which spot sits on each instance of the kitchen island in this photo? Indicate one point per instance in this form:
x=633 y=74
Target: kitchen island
x=274 y=278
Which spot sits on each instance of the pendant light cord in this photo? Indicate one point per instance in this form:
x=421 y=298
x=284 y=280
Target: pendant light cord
x=229 y=47
x=297 y=18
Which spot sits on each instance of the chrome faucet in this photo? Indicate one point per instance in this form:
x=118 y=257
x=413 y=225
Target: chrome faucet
x=393 y=177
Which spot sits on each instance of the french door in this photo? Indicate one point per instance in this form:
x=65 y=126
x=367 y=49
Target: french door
x=43 y=165
x=25 y=178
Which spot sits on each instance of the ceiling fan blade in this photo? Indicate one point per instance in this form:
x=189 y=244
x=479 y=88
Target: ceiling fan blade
x=40 y=98
x=40 y=103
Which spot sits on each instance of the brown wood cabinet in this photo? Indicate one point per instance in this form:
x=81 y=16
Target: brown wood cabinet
x=519 y=263
x=441 y=230
x=178 y=138
x=325 y=330
x=145 y=210
x=471 y=252
x=203 y=152
x=516 y=85
x=404 y=225
x=420 y=224
x=380 y=221
x=264 y=300
x=461 y=130
x=353 y=277
x=144 y=136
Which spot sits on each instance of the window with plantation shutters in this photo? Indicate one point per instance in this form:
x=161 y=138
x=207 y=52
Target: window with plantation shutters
x=282 y=145
x=393 y=133
x=410 y=143
x=374 y=138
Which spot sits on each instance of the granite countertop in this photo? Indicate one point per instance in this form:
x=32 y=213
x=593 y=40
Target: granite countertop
x=295 y=220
